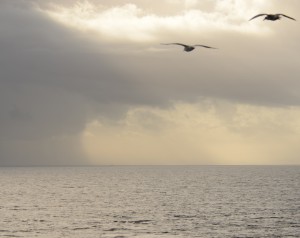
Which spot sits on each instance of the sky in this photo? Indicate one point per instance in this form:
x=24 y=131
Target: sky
x=89 y=82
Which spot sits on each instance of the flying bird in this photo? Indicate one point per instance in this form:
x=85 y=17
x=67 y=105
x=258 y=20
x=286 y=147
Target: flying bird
x=189 y=48
x=272 y=17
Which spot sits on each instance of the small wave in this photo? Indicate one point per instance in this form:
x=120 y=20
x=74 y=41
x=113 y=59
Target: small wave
x=295 y=226
x=23 y=231
x=11 y=236
x=117 y=229
x=81 y=228
x=113 y=229
x=141 y=221
x=185 y=216
x=252 y=226
x=135 y=222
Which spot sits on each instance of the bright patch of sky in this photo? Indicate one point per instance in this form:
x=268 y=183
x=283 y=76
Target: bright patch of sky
x=132 y=22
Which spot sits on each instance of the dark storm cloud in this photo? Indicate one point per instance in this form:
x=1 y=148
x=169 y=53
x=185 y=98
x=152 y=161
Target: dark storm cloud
x=50 y=78
x=50 y=74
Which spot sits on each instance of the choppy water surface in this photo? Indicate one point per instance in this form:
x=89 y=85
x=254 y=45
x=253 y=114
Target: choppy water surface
x=204 y=201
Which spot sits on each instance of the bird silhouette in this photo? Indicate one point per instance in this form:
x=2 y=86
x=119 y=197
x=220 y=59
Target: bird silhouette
x=188 y=48
x=272 y=17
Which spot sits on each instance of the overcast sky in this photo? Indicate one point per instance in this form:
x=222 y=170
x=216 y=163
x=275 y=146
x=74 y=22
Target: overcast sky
x=89 y=82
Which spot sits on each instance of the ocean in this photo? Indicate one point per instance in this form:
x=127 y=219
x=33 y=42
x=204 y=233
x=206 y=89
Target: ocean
x=146 y=202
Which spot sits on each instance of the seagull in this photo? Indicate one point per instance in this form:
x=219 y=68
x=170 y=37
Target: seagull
x=272 y=17
x=189 y=48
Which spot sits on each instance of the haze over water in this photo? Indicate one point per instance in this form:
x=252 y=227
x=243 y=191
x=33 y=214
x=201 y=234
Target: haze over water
x=183 y=201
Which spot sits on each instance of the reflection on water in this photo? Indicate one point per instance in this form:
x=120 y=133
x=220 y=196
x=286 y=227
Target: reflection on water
x=200 y=201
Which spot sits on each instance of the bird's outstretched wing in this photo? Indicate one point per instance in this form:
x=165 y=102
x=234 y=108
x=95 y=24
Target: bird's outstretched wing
x=286 y=16
x=259 y=15
x=205 y=46
x=174 y=44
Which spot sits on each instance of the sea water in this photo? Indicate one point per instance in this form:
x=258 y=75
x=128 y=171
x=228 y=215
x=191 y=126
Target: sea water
x=174 y=201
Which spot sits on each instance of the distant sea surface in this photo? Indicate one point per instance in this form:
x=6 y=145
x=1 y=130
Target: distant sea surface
x=119 y=202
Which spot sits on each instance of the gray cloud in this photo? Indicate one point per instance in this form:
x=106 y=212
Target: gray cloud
x=50 y=77
x=54 y=79
x=244 y=69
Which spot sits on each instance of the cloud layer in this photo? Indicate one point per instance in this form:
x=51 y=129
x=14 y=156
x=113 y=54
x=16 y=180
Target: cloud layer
x=89 y=81
x=134 y=23
x=210 y=132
